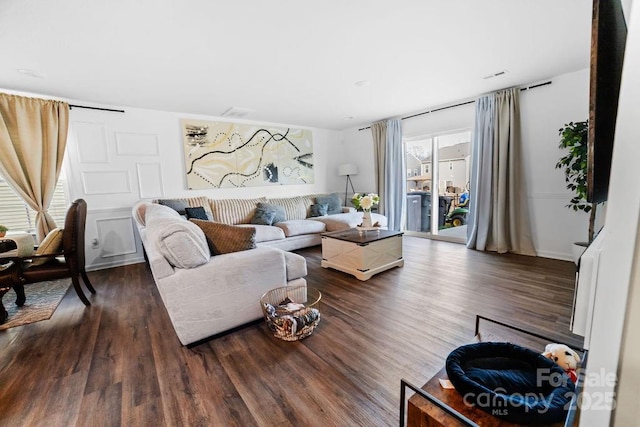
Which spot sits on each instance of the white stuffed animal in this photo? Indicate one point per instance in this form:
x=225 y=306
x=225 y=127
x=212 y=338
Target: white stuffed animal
x=565 y=357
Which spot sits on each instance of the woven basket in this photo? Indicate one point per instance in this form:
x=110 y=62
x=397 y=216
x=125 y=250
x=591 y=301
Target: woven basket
x=296 y=324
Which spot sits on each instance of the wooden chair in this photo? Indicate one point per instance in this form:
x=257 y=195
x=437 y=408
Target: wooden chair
x=6 y=273
x=69 y=262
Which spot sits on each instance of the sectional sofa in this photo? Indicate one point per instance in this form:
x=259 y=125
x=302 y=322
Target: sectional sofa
x=298 y=229
x=205 y=293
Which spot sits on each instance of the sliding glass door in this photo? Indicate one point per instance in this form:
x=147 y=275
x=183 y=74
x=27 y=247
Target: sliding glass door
x=438 y=165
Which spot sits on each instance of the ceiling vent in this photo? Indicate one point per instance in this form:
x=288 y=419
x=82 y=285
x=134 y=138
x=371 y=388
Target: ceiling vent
x=32 y=73
x=499 y=73
x=237 y=112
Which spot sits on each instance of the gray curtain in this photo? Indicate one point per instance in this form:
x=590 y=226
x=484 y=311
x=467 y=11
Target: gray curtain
x=379 y=132
x=499 y=215
x=390 y=171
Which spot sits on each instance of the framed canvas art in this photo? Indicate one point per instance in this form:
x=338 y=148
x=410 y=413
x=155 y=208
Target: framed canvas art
x=228 y=155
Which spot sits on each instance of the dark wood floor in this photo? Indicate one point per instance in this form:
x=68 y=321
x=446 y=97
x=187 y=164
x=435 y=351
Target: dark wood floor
x=119 y=362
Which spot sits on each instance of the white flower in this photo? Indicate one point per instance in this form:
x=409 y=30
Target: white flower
x=366 y=202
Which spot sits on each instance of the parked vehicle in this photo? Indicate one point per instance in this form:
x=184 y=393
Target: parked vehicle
x=458 y=215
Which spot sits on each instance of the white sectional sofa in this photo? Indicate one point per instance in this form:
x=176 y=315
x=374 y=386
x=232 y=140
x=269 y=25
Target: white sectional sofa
x=298 y=230
x=205 y=295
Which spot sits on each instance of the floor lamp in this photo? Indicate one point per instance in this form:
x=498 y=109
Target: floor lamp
x=348 y=169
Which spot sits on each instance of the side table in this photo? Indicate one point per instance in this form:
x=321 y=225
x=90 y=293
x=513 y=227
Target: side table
x=13 y=244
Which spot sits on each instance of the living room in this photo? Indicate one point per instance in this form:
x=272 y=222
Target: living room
x=98 y=147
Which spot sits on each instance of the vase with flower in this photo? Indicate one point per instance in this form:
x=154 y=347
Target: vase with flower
x=365 y=202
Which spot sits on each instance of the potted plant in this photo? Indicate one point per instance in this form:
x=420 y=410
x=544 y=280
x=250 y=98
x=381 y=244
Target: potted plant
x=3 y=230
x=573 y=137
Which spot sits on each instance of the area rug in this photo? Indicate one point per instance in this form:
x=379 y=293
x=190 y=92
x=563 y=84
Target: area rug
x=42 y=300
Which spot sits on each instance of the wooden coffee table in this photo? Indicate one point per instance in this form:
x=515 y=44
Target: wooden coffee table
x=362 y=253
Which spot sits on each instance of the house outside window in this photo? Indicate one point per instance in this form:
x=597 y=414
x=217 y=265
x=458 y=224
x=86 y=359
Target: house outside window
x=445 y=172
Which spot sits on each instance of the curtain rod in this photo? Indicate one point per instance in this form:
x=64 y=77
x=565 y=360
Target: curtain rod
x=95 y=108
x=460 y=104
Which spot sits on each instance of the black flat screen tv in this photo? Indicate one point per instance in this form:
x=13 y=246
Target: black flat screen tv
x=608 y=38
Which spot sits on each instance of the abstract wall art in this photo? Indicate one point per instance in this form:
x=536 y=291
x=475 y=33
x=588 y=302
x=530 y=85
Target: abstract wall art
x=228 y=155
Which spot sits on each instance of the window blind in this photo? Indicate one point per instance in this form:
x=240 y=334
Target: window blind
x=17 y=216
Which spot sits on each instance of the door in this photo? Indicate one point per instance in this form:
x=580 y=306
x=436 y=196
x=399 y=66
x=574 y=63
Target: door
x=439 y=165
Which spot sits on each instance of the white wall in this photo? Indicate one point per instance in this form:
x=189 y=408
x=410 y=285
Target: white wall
x=621 y=248
x=543 y=111
x=354 y=147
x=116 y=159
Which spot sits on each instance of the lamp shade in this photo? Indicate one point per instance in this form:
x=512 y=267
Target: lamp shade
x=348 y=169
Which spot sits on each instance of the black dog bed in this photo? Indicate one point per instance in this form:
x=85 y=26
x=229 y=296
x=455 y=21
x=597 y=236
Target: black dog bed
x=510 y=382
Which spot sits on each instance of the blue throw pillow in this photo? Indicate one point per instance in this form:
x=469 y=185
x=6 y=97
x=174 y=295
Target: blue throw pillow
x=196 y=213
x=278 y=211
x=263 y=217
x=333 y=202
x=318 y=210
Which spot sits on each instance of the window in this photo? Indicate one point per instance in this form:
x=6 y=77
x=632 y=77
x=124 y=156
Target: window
x=16 y=214
x=445 y=162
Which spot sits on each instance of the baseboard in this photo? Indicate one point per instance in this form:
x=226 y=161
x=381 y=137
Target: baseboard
x=555 y=255
x=113 y=263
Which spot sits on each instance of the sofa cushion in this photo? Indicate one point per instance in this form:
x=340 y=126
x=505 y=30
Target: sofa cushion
x=333 y=202
x=265 y=233
x=182 y=243
x=197 y=213
x=234 y=211
x=224 y=238
x=296 y=265
x=300 y=226
x=345 y=221
x=318 y=210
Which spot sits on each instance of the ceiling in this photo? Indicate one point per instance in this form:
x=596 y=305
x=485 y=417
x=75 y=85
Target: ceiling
x=292 y=61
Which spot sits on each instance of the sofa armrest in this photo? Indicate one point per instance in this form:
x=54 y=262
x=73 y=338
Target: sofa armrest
x=348 y=209
x=296 y=266
x=223 y=293
x=160 y=267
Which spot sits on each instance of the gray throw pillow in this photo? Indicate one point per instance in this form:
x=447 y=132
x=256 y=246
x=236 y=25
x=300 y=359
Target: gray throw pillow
x=197 y=213
x=279 y=214
x=318 y=210
x=263 y=217
x=177 y=205
x=333 y=202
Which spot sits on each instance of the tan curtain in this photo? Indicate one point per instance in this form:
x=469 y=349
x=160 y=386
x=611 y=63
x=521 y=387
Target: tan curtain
x=499 y=214
x=379 y=132
x=33 y=137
